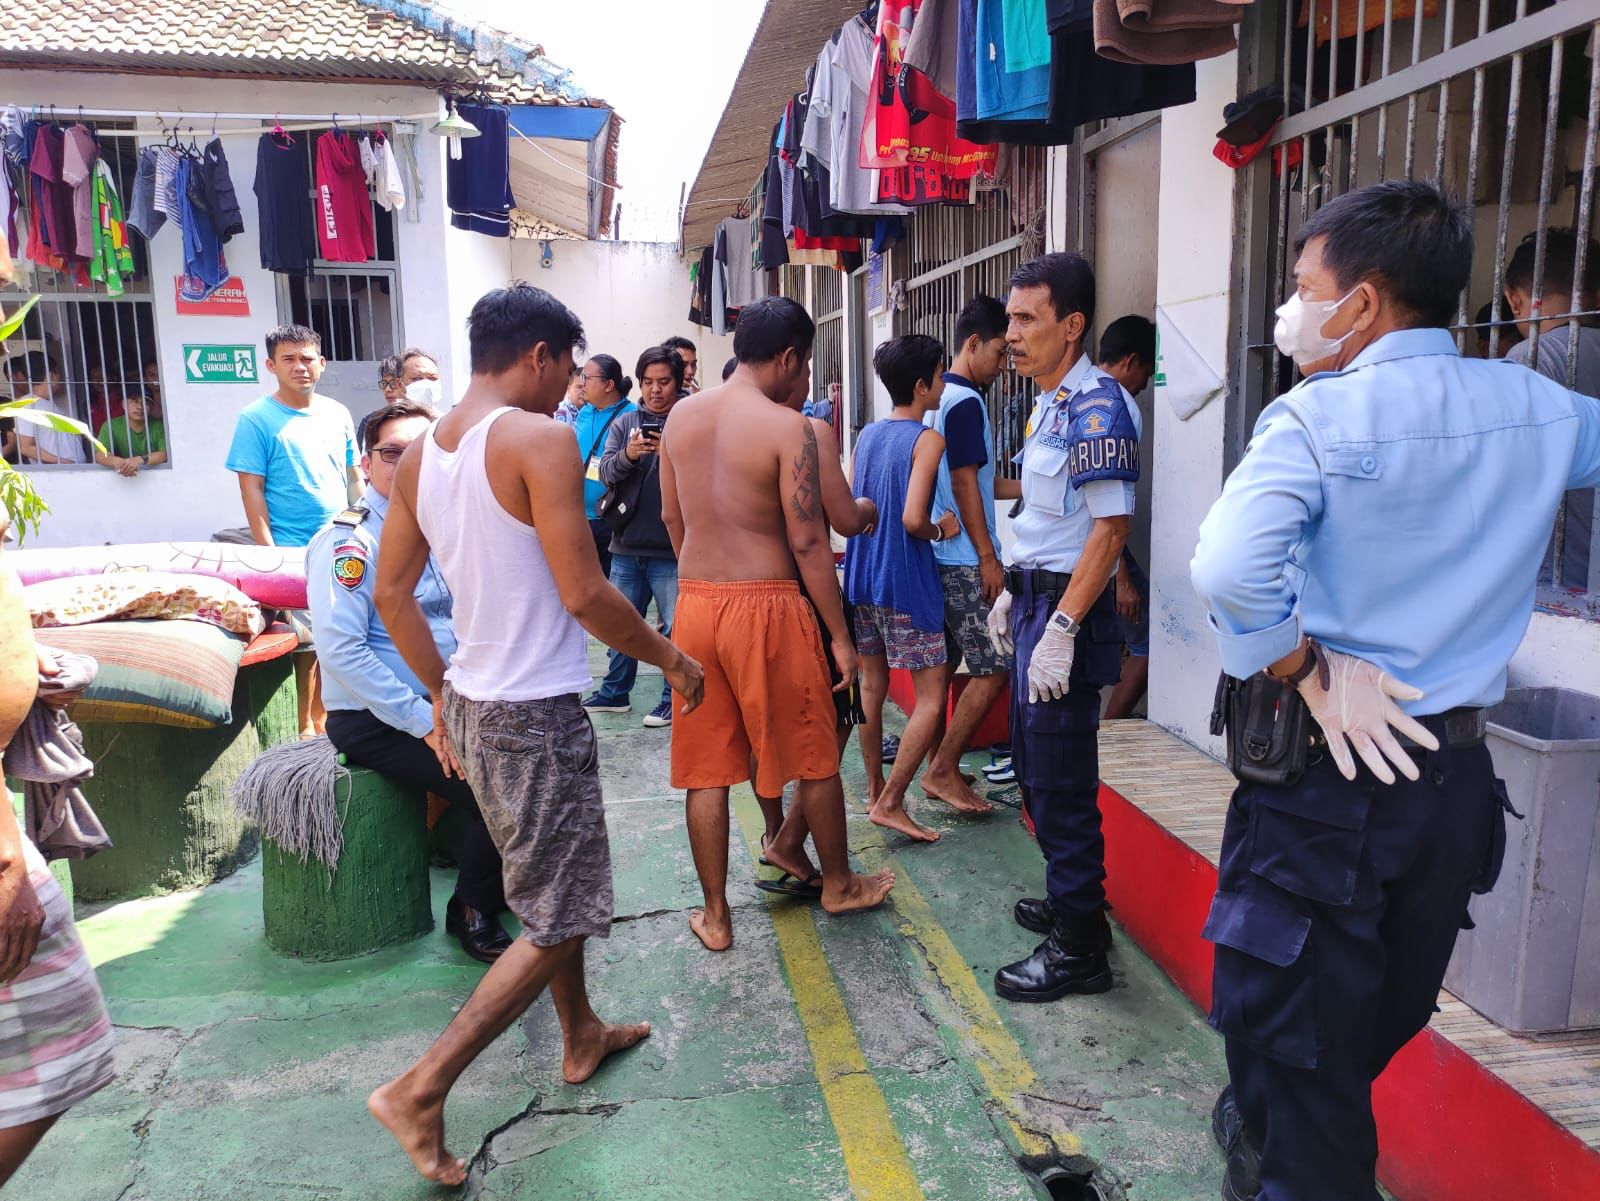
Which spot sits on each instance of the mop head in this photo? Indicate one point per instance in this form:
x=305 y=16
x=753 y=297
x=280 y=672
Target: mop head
x=295 y=793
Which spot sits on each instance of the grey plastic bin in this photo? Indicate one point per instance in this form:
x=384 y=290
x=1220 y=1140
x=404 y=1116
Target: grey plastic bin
x=1533 y=962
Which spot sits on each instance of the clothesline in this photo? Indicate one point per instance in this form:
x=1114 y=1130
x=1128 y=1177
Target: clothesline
x=564 y=166
x=253 y=131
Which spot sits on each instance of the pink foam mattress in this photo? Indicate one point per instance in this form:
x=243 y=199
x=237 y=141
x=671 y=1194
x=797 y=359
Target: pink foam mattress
x=273 y=576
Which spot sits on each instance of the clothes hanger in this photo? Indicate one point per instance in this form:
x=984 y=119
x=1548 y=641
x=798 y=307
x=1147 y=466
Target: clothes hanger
x=279 y=134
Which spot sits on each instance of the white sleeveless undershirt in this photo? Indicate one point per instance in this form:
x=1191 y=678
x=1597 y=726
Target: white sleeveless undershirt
x=514 y=639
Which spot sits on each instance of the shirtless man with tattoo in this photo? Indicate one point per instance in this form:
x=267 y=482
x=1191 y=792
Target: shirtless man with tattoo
x=742 y=499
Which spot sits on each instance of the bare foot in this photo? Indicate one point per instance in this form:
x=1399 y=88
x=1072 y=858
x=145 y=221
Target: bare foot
x=895 y=817
x=582 y=1058
x=858 y=892
x=716 y=936
x=874 y=788
x=798 y=866
x=953 y=791
x=419 y=1129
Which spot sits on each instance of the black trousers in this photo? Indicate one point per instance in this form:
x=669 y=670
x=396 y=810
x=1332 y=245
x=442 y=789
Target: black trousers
x=371 y=743
x=1338 y=904
x=1055 y=746
x=601 y=533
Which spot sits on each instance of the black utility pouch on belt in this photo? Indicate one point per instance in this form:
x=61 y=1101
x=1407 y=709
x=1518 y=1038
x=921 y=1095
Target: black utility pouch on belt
x=1269 y=729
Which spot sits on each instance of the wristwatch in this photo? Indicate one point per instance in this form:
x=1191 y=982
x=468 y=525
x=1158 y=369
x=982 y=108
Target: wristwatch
x=1065 y=624
x=1312 y=662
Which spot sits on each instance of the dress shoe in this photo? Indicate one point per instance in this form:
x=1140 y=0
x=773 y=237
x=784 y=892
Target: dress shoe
x=1038 y=915
x=1071 y=960
x=480 y=935
x=1243 y=1180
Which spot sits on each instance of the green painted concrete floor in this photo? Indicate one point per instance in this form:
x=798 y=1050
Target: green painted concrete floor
x=243 y=1075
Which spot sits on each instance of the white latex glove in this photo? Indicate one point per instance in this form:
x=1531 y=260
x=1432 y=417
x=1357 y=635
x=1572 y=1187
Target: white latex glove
x=1051 y=665
x=1358 y=705
x=1000 y=625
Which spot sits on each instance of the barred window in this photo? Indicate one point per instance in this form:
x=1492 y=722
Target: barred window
x=83 y=351
x=1499 y=101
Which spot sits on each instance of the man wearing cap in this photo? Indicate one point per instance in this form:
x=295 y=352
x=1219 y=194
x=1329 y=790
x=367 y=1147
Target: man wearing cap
x=1080 y=465
x=1375 y=553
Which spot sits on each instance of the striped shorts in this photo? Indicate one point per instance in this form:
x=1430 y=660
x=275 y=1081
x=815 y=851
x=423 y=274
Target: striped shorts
x=55 y=1034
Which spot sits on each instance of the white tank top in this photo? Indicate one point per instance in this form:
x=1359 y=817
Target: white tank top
x=514 y=639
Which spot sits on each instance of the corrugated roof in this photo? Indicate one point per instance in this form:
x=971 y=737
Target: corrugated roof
x=786 y=43
x=314 y=40
x=344 y=40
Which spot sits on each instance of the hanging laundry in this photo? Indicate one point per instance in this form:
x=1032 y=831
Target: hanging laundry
x=369 y=159
x=1166 y=31
x=142 y=212
x=910 y=122
x=391 y=191
x=478 y=184
x=934 y=47
x=112 y=259
x=221 y=200
x=345 y=232
x=55 y=226
x=80 y=152
x=1006 y=93
x=836 y=112
x=204 y=267
x=167 y=183
x=283 y=189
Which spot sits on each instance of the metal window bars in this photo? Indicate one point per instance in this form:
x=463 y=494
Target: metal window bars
x=97 y=349
x=1499 y=100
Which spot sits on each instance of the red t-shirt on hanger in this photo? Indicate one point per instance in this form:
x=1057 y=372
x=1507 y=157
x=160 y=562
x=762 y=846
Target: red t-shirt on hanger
x=343 y=207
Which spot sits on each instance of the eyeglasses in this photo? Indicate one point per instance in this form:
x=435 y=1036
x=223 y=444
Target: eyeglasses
x=389 y=454
x=593 y=379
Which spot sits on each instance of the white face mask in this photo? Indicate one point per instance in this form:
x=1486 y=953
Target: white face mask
x=1298 y=332
x=424 y=391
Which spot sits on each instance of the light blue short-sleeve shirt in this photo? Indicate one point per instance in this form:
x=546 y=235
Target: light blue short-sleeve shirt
x=304 y=455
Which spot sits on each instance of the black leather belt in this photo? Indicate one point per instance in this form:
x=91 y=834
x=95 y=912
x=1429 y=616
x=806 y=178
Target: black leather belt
x=1455 y=728
x=1044 y=582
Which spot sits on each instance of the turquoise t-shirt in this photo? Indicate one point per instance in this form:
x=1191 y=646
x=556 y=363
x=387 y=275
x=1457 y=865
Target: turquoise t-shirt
x=594 y=427
x=304 y=455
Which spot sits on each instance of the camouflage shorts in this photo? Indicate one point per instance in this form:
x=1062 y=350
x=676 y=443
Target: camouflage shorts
x=966 y=622
x=535 y=768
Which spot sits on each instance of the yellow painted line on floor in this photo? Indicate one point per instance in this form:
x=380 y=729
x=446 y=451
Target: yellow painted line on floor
x=1001 y=1063
x=874 y=1153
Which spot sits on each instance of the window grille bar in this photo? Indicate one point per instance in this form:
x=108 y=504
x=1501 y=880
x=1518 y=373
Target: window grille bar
x=1503 y=218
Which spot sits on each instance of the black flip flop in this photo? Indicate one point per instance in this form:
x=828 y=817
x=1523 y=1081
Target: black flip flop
x=762 y=858
x=789 y=885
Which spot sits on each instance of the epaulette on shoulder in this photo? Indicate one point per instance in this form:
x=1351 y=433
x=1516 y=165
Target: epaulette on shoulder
x=351 y=517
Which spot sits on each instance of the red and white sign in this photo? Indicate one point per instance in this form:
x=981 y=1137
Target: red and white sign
x=227 y=301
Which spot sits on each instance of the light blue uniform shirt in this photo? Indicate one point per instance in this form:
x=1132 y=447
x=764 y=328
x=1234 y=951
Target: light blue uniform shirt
x=1397 y=511
x=959 y=551
x=361 y=667
x=1058 y=513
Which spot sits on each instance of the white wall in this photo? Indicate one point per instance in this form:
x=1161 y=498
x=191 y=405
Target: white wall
x=197 y=495
x=629 y=295
x=1195 y=232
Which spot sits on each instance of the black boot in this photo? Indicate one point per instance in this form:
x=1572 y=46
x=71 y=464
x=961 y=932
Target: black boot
x=1038 y=915
x=1071 y=960
x=480 y=934
x=1243 y=1181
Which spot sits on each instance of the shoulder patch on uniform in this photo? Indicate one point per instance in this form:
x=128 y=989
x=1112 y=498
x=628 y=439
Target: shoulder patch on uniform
x=349 y=565
x=352 y=517
x=1103 y=442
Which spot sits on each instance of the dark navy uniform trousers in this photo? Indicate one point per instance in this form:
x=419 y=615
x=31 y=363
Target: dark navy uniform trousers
x=1338 y=903
x=1055 y=745
x=365 y=740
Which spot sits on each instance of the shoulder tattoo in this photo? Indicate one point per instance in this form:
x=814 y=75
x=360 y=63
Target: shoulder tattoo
x=806 y=492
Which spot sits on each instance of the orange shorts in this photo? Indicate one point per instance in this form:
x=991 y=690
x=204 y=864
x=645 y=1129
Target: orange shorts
x=766 y=692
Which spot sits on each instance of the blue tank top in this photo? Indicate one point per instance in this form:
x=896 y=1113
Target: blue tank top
x=890 y=567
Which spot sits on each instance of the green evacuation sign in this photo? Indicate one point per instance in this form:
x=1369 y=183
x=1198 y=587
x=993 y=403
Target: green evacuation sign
x=219 y=364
